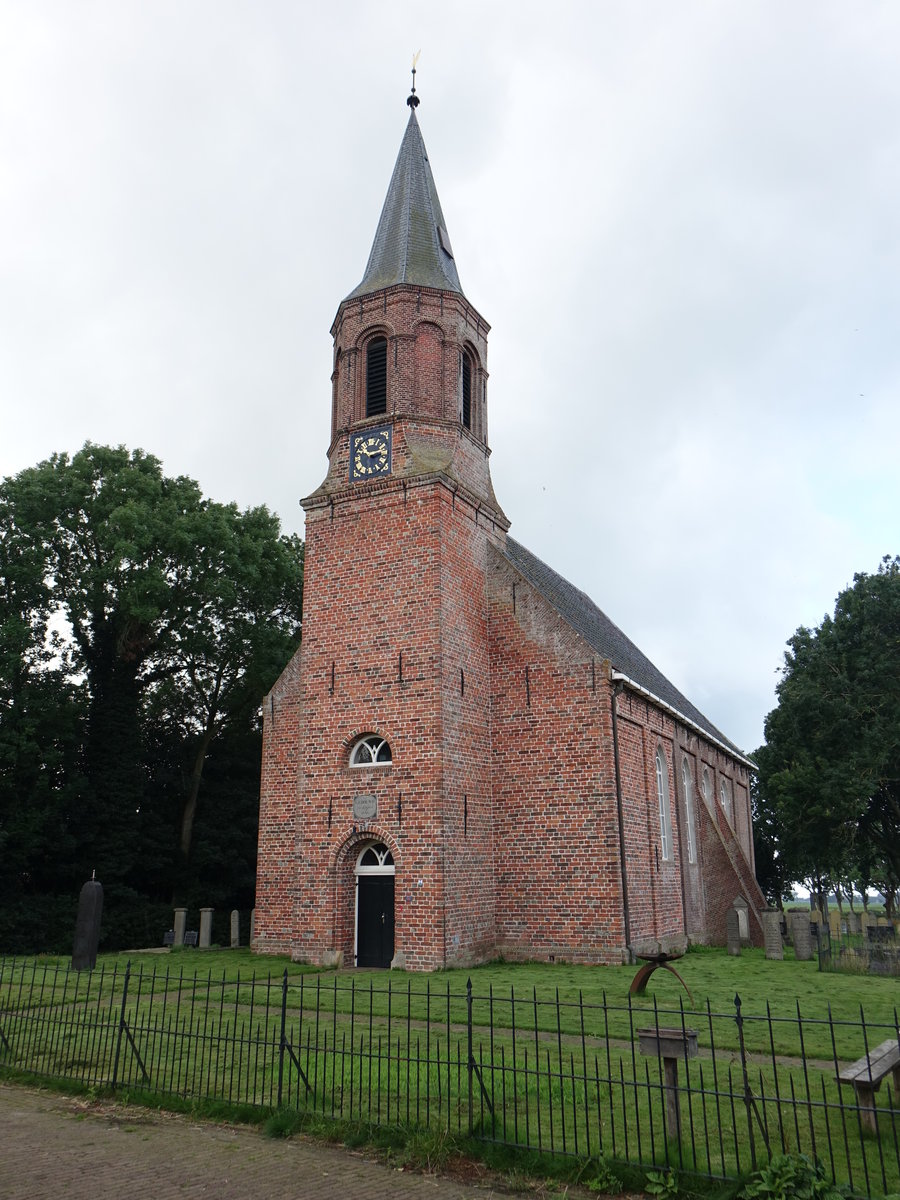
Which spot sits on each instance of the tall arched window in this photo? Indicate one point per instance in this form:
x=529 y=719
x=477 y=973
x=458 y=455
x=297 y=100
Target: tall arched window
x=467 y=390
x=376 y=377
x=689 y=809
x=706 y=788
x=725 y=799
x=662 y=790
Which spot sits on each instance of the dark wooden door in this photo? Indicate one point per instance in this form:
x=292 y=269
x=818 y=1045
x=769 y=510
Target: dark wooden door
x=375 y=921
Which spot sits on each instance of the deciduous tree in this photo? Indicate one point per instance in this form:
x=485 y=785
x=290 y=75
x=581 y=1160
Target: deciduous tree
x=830 y=769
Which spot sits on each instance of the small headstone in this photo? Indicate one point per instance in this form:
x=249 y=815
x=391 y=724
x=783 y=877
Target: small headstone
x=206 y=915
x=834 y=922
x=87 y=927
x=733 y=931
x=771 y=921
x=179 y=925
x=802 y=938
x=853 y=922
x=235 y=929
x=740 y=906
x=252 y=925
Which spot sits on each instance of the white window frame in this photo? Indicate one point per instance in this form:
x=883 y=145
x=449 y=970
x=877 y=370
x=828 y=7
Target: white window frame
x=374 y=745
x=662 y=791
x=688 y=783
x=725 y=801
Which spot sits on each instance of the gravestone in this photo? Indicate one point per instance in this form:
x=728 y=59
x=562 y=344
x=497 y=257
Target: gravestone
x=865 y=922
x=771 y=921
x=741 y=908
x=853 y=922
x=252 y=925
x=733 y=931
x=834 y=922
x=179 y=926
x=206 y=915
x=87 y=927
x=802 y=936
x=235 y=929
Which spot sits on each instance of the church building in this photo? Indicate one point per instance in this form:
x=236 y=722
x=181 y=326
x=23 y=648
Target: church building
x=466 y=758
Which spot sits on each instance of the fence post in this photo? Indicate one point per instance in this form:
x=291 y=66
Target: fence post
x=471 y=1054
x=282 y=1039
x=115 y=1074
x=748 y=1095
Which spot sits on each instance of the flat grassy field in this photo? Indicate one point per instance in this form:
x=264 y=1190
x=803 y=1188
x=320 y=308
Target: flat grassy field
x=713 y=977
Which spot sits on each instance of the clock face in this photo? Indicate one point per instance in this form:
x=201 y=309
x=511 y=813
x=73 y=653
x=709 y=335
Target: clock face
x=370 y=453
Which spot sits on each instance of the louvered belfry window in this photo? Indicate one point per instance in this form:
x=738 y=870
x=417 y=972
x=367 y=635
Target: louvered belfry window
x=376 y=377
x=467 y=391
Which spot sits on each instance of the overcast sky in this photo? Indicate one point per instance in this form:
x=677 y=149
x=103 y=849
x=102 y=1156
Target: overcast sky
x=680 y=219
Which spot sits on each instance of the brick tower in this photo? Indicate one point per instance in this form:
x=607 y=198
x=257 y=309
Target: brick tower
x=383 y=719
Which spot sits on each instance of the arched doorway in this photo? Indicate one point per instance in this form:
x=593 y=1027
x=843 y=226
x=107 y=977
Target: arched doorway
x=374 y=906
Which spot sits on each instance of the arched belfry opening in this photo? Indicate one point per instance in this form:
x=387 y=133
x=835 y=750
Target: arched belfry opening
x=374 y=939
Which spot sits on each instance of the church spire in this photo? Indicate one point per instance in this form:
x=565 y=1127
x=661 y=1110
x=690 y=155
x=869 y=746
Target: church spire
x=411 y=243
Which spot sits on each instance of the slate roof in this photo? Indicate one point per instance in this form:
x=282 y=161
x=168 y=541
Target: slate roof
x=411 y=243
x=579 y=611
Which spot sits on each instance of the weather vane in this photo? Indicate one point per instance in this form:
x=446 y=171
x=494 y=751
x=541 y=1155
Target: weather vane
x=412 y=99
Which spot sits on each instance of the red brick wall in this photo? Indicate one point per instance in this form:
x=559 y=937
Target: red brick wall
x=555 y=826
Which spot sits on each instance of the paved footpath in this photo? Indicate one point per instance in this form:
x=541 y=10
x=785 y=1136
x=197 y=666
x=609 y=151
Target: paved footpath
x=68 y=1148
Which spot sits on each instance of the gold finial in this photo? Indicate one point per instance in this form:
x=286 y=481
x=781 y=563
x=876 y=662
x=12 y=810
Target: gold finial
x=412 y=99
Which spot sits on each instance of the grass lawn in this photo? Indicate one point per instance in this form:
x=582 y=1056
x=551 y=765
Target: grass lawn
x=714 y=978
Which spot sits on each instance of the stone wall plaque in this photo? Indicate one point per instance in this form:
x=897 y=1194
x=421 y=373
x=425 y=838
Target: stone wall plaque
x=365 y=808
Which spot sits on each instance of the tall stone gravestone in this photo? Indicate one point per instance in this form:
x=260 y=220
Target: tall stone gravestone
x=802 y=937
x=87 y=927
x=733 y=931
x=235 y=929
x=206 y=917
x=771 y=920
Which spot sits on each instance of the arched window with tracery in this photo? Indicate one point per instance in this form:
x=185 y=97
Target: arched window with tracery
x=375 y=859
x=662 y=791
x=371 y=751
x=688 y=785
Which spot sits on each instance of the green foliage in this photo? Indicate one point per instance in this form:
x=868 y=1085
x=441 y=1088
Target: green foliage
x=829 y=773
x=600 y=1176
x=662 y=1183
x=791 y=1177
x=141 y=624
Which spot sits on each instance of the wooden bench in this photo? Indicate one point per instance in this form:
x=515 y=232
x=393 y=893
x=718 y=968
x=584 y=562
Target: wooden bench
x=866 y=1075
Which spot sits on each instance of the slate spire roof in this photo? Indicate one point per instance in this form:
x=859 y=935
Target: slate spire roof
x=411 y=243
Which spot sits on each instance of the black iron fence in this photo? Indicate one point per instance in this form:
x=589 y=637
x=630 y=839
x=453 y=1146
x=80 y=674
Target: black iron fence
x=871 y=951
x=712 y=1093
